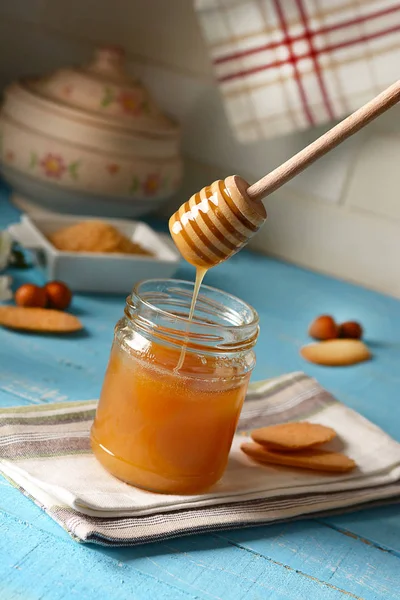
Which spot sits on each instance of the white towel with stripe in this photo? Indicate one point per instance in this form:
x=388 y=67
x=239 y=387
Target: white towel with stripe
x=45 y=452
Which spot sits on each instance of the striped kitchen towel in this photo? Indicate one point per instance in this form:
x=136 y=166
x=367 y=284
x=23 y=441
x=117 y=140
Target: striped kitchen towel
x=45 y=452
x=286 y=65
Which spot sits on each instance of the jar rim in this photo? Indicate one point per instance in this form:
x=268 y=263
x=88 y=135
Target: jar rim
x=222 y=322
x=254 y=321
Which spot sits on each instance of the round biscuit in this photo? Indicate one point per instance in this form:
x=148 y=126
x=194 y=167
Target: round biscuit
x=38 y=319
x=314 y=459
x=293 y=436
x=336 y=353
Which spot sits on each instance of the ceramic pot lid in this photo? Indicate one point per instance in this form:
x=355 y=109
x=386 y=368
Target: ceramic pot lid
x=103 y=88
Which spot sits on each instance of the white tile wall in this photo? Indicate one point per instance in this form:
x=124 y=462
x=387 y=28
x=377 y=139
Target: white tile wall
x=326 y=179
x=352 y=245
x=26 y=49
x=161 y=30
x=25 y=10
x=342 y=216
x=375 y=181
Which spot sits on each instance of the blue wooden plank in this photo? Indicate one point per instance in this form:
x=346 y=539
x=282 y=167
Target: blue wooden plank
x=15 y=506
x=314 y=553
x=288 y=298
x=207 y=567
x=380 y=526
x=39 y=567
x=342 y=561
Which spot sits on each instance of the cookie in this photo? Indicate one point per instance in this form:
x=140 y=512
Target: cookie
x=293 y=436
x=314 y=459
x=336 y=353
x=38 y=319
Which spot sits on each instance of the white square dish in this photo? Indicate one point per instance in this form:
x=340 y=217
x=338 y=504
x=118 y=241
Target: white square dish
x=92 y=271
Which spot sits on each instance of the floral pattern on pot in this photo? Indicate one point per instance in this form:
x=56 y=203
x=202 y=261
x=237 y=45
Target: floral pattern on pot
x=54 y=166
x=93 y=174
x=152 y=184
x=113 y=168
x=66 y=90
x=135 y=185
x=129 y=102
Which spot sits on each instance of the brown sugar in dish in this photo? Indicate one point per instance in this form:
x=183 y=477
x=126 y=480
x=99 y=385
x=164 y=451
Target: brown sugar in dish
x=94 y=236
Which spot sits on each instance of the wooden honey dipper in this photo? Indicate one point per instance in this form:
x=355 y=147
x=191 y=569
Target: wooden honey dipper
x=220 y=219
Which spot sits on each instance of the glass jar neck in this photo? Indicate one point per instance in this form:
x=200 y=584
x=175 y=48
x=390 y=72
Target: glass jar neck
x=222 y=324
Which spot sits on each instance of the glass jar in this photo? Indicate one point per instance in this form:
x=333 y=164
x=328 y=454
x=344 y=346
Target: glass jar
x=169 y=429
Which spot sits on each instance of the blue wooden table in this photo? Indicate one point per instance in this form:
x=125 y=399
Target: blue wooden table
x=351 y=556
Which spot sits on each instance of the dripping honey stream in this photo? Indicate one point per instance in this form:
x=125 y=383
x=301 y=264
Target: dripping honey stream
x=212 y=226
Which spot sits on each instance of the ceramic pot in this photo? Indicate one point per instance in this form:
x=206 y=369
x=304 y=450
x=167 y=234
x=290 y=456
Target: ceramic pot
x=67 y=147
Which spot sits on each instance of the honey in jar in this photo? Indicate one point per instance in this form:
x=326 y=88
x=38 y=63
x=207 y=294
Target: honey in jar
x=165 y=429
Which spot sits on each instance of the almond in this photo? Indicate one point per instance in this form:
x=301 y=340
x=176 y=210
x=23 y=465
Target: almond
x=323 y=328
x=58 y=294
x=350 y=330
x=30 y=295
x=336 y=352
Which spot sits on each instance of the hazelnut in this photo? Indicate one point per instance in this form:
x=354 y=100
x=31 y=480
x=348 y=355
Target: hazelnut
x=59 y=295
x=323 y=328
x=350 y=329
x=31 y=295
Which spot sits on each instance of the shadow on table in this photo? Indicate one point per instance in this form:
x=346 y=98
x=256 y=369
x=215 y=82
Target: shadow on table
x=76 y=335
x=381 y=525
x=197 y=544
x=185 y=545
x=379 y=345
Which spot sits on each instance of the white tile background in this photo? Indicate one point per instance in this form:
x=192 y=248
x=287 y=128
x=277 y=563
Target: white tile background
x=342 y=216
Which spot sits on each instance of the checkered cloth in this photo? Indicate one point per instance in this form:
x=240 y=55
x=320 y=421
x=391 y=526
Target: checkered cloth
x=45 y=452
x=286 y=65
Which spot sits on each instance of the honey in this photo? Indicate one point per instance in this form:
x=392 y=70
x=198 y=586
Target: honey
x=181 y=360
x=162 y=431
x=165 y=430
x=200 y=274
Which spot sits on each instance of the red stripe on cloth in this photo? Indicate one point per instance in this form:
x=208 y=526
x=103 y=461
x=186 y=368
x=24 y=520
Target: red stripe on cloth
x=297 y=38
x=293 y=61
x=250 y=51
x=363 y=38
x=314 y=58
